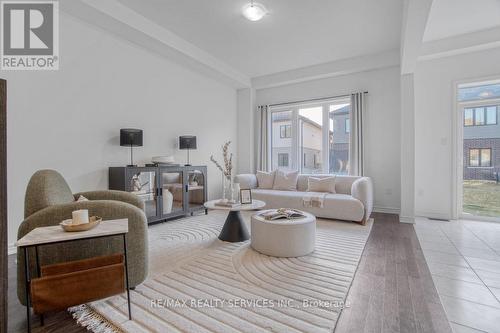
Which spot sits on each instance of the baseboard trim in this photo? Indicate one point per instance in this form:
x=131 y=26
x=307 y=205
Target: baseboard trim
x=12 y=249
x=407 y=219
x=386 y=210
x=439 y=216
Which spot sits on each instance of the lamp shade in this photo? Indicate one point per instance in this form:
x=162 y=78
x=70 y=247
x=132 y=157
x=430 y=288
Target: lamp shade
x=187 y=142
x=130 y=137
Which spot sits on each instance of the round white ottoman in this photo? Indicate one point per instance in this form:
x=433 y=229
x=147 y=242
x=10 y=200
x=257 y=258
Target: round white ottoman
x=283 y=238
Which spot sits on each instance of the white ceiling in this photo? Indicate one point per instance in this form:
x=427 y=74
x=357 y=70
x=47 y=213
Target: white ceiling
x=295 y=34
x=450 y=18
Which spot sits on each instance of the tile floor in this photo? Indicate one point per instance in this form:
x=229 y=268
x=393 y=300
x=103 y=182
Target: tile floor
x=464 y=260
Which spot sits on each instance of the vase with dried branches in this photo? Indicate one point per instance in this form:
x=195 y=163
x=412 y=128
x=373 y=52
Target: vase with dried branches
x=227 y=170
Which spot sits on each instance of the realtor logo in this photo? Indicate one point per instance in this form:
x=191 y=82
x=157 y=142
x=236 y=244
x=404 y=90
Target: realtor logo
x=29 y=35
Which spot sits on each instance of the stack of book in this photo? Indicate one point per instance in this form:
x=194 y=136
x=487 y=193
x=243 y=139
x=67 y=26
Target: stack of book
x=227 y=203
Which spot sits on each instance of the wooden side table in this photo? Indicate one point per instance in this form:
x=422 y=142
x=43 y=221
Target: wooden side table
x=54 y=235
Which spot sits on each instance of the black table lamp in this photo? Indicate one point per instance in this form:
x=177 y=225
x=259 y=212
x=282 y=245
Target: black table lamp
x=187 y=142
x=131 y=137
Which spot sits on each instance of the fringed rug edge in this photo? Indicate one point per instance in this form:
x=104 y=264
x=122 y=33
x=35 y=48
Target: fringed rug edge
x=93 y=321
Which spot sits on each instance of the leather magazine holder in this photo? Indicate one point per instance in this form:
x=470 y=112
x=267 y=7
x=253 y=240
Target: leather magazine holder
x=76 y=282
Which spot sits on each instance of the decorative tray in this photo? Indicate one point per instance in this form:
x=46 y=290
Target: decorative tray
x=69 y=227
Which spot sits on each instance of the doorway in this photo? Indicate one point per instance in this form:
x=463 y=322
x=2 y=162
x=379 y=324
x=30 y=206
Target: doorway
x=478 y=150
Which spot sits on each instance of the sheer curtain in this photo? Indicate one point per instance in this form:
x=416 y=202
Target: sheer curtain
x=356 y=149
x=263 y=147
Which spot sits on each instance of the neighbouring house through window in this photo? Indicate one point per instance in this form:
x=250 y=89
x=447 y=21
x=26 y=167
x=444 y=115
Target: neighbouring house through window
x=312 y=137
x=479 y=116
x=480 y=157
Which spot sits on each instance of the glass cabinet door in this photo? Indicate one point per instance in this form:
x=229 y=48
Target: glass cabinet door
x=196 y=188
x=143 y=184
x=172 y=191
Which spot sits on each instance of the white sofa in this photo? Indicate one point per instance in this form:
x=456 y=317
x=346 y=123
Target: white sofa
x=352 y=202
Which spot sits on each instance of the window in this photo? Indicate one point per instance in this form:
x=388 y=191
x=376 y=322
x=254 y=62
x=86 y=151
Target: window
x=468 y=117
x=310 y=122
x=310 y=137
x=281 y=122
x=481 y=92
x=285 y=131
x=485 y=157
x=491 y=115
x=339 y=138
x=480 y=157
x=283 y=160
x=480 y=116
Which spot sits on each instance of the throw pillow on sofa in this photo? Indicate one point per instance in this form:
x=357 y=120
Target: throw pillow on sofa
x=326 y=184
x=265 y=180
x=286 y=181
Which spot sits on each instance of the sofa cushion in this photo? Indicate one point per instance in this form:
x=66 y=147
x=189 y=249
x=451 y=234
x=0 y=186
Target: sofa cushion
x=343 y=183
x=246 y=181
x=326 y=184
x=335 y=206
x=285 y=181
x=265 y=180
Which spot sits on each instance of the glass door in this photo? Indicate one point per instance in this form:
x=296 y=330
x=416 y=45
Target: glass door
x=172 y=191
x=143 y=184
x=196 y=189
x=479 y=144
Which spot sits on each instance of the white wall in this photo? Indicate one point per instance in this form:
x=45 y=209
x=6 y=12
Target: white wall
x=245 y=100
x=434 y=105
x=382 y=149
x=69 y=120
x=407 y=147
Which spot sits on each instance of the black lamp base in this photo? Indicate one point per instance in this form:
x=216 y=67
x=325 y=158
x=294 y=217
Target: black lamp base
x=131 y=165
x=187 y=164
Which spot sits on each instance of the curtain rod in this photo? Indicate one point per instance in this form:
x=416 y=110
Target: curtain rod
x=313 y=100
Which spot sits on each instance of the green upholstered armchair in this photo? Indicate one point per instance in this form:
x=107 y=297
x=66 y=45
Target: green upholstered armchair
x=49 y=201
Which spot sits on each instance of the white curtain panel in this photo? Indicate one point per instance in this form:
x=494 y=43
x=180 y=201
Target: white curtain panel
x=263 y=153
x=356 y=149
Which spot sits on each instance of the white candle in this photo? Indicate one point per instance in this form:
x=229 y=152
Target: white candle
x=80 y=216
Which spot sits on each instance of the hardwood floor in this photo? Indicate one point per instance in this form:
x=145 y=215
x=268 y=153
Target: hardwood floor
x=58 y=322
x=393 y=289
x=391 y=292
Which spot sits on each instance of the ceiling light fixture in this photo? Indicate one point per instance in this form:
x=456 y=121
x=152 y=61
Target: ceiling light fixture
x=254 y=11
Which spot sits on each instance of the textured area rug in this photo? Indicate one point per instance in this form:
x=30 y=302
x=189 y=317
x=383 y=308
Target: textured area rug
x=198 y=283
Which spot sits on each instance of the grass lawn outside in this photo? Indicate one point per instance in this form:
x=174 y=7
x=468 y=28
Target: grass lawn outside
x=481 y=198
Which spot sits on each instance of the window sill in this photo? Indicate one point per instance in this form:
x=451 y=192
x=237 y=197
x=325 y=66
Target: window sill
x=479 y=167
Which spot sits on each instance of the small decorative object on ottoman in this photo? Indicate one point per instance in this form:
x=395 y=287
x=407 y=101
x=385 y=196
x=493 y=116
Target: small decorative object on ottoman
x=292 y=237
